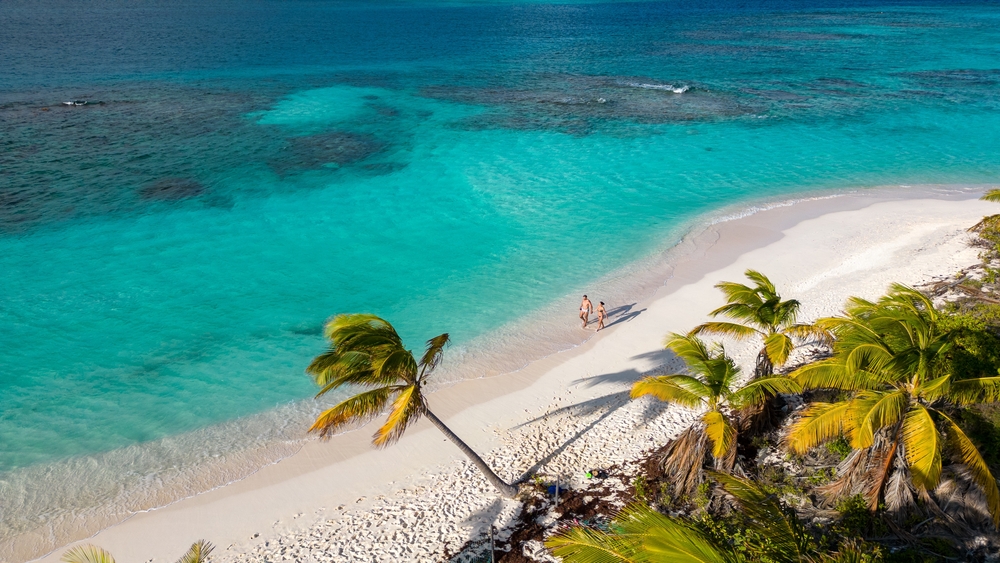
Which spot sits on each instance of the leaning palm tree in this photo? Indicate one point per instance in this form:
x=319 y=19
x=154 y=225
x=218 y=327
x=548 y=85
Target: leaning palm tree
x=197 y=553
x=759 y=312
x=889 y=358
x=367 y=353
x=639 y=534
x=712 y=385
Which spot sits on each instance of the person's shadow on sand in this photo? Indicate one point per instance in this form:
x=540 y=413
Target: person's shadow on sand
x=622 y=314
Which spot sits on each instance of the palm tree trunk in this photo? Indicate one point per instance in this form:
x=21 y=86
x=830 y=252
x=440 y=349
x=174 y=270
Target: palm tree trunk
x=764 y=367
x=505 y=488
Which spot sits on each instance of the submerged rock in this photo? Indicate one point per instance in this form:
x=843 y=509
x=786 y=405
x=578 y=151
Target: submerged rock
x=172 y=189
x=337 y=147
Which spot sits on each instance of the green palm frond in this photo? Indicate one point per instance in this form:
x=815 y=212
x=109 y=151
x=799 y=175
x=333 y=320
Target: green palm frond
x=761 y=390
x=587 y=545
x=638 y=535
x=762 y=282
x=778 y=347
x=819 y=423
x=732 y=330
x=935 y=389
x=683 y=390
x=434 y=353
x=805 y=331
x=922 y=447
x=713 y=367
x=688 y=348
x=992 y=195
x=360 y=408
x=737 y=311
x=974 y=391
x=833 y=374
x=969 y=454
x=87 y=554
x=342 y=328
x=877 y=411
x=739 y=293
x=720 y=432
x=197 y=553
x=786 y=538
x=338 y=368
x=406 y=409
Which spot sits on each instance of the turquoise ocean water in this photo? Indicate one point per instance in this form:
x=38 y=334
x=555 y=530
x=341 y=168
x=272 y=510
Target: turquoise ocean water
x=243 y=170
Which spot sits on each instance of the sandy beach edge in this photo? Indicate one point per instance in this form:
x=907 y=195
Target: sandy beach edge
x=300 y=491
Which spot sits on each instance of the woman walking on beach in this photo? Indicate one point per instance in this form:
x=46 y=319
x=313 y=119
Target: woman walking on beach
x=586 y=308
x=602 y=315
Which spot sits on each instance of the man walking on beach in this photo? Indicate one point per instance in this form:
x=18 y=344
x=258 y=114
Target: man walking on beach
x=586 y=308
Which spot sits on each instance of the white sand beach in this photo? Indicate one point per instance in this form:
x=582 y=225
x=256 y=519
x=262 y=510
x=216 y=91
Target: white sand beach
x=561 y=415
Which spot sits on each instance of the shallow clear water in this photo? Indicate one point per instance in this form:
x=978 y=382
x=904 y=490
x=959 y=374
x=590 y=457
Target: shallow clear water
x=243 y=170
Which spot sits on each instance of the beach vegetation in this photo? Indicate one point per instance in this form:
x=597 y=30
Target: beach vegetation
x=367 y=358
x=760 y=529
x=711 y=383
x=895 y=360
x=639 y=486
x=197 y=553
x=758 y=311
x=839 y=447
x=992 y=195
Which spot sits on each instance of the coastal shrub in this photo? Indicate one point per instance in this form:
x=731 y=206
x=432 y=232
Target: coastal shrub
x=839 y=447
x=976 y=350
x=752 y=543
x=821 y=477
x=701 y=495
x=928 y=550
x=857 y=520
x=639 y=487
x=665 y=498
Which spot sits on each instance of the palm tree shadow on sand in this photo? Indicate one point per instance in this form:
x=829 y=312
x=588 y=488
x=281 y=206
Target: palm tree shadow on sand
x=609 y=403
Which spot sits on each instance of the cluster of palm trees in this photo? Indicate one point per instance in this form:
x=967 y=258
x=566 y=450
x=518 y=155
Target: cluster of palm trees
x=896 y=395
x=896 y=400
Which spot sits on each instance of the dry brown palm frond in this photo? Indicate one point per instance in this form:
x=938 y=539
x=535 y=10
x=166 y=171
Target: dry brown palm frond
x=685 y=457
x=899 y=499
x=956 y=527
x=961 y=498
x=726 y=463
x=758 y=419
x=885 y=450
x=879 y=471
x=852 y=475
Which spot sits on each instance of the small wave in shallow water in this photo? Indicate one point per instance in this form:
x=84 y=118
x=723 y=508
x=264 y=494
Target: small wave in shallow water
x=666 y=87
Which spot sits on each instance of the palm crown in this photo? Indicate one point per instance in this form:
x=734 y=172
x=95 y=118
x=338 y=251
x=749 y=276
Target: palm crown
x=889 y=356
x=367 y=354
x=760 y=313
x=711 y=384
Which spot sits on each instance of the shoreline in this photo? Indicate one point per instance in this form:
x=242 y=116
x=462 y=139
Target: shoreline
x=285 y=488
